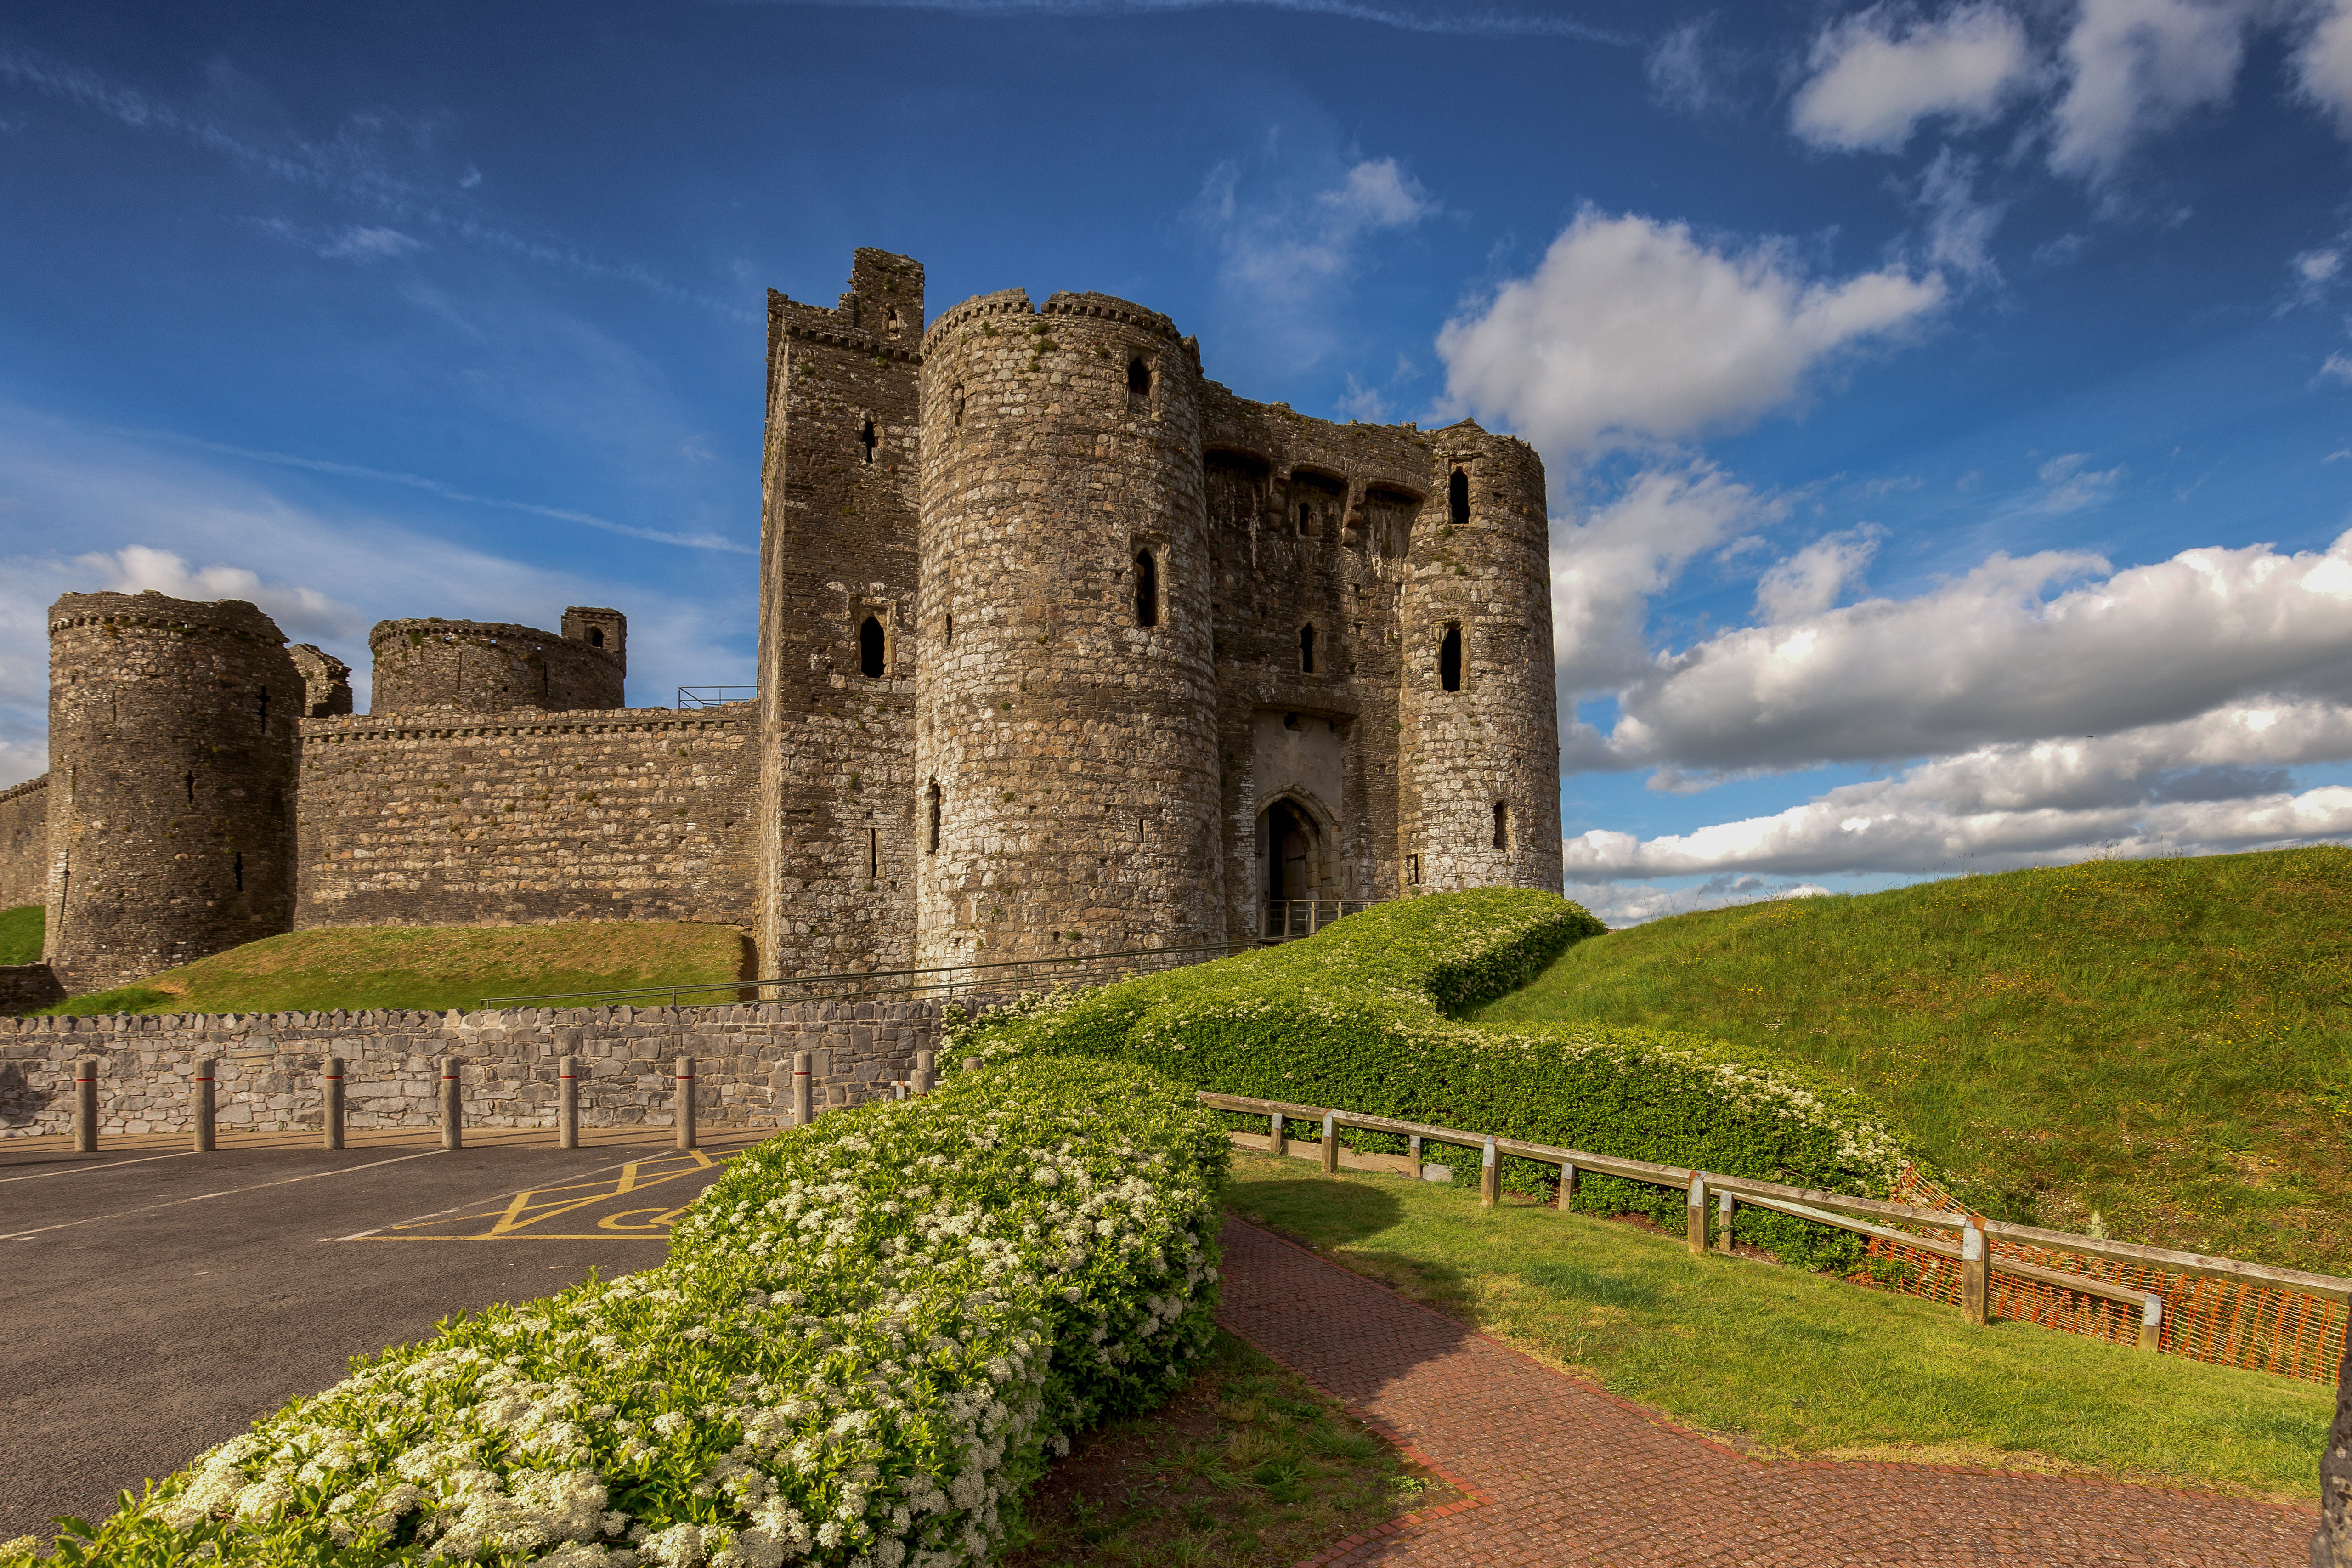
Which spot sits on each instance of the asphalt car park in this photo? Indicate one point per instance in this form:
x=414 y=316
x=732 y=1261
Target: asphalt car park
x=158 y=1302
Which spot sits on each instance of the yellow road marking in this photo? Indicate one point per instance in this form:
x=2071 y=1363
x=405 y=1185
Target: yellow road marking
x=518 y=1218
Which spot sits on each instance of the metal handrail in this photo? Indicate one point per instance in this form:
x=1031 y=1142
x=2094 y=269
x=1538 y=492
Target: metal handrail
x=714 y=696
x=863 y=982
x=1283 y=920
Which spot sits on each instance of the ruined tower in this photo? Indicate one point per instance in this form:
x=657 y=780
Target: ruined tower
x=171 y=819
x=486 y=667
x=1066 y=720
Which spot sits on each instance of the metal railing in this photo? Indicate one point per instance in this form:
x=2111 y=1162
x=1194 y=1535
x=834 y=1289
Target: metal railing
x=715 y=696
x=938 y=981
x=1286 y=919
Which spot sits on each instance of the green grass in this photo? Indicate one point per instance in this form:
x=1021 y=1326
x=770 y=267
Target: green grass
x=20 y=934
x=431 y=968
x=2166 y=1044
x=1782 y=1361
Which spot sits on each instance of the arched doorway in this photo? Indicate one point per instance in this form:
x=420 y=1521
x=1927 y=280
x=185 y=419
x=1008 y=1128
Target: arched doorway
x=1296 y=877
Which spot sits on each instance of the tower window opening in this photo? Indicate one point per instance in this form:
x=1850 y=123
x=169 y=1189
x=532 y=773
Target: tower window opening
x=890 y=322
x=949 y=638
x=1307 y=649
x=1412 y=870
x=191 y=782
x=1139 y=379
x=932 y=830
x=261 y=706
x=238 y=868
x=595 y=636
x=955 y=405
x=1502 y=825
x=1457 y=499
x=869 y=648
x=1449 y=658
x=873 y=853
x=1147 y=589
x=1306 y=521
x=868 y=439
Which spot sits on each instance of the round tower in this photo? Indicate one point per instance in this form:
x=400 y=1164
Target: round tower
x=489 y=667
x=1065 y=722
x=171 y=756
x=1479 y=779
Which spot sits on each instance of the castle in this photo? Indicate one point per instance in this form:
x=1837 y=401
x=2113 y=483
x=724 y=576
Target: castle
x=1063 y=649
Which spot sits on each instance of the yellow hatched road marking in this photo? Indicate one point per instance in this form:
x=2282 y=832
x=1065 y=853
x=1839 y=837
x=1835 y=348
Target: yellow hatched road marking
x=521 y=1214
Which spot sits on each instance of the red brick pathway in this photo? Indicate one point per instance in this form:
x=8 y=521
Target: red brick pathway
x=1562 y=1473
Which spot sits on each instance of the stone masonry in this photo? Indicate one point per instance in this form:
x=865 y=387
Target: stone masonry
x=267 y=1077
x=24 y=843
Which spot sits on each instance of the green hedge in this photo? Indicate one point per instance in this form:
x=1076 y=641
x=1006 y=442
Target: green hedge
x=868 y=1334
x=1357 y=1016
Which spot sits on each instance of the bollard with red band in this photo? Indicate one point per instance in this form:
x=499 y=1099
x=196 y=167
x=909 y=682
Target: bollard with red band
x=453 y=1105
x=331 y=1082
x=685 y=1102
x=202 y=1094
x=86 y=1106
x=567 y=1105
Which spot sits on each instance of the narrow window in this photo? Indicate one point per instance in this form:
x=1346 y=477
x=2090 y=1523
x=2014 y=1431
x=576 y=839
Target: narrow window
x=239 y=866
x=1457 y=499
x=1139 y=380
x=191 y=782
x=869 y=649
x=955 y=405
x=1502 y=825
x=950 y=636
x=1307 y=649
x=263 y=706
x=867 y=439
x=873 y=853
x=595 y=636
x=1147 y=589
x=1449 y=659
x=1306 y=521
x=890 y=321
x=1412 y=870
x=932 y=832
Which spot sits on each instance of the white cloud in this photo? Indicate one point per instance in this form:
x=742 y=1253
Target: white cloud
x=1877 y=74
x=2070 y=485
x=1682 y=69
x=2317 y=268
x=2322 y=65
x=1995 y=660
x=299 y=612
x=1959 y=227
x=1622 y=904
x=1811 y=580
x=1632 y=331
x=2136 y=67
x=2340 y=367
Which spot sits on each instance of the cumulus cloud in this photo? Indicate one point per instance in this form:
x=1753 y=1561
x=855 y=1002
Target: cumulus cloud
x=1998 y=659
x=2135 y=68
x=1876 y=76
x=1814 y=578
x=300 y=611
x=1632 y=330
x=2322 y=65
x=1620 y=904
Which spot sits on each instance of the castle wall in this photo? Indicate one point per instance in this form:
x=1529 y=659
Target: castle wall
x=522 y=818
x=24 y=843
x=1068 y=724
x=266 y=1078
x=833 y=860
x=171 y=808
x=486 y=667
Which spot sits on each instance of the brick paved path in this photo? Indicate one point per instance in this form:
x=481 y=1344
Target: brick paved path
x=1562 y=1473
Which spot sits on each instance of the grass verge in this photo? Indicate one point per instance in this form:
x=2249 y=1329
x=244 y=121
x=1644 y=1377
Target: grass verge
x=1784 y=1363
x=2164 y=1044
x=20 y=934
x=431 y=968
x=1247 y=1464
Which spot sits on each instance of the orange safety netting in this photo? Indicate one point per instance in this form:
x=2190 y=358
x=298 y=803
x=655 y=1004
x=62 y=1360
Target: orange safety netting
x=2228 y=1322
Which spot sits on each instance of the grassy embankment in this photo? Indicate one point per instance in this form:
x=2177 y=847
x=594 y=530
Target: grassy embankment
x=20 y=934
x=2165 y=1044
x=1782 y=1361
x=431 y=968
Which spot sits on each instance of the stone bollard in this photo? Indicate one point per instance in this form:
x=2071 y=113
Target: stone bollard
x=567 y=1104
x=802 y=1110
x=1330 y=1144
x=972 y=1064
x=1973 y=1272
x=1490 y=1177
x=331 y=1083
x=685 y=1102
x=1695 y=1217
x=453 y=1105
x=201 y=1092
x=86 y=1106
x=926 y=1077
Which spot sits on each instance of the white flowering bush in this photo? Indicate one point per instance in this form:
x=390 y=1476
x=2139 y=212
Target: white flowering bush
x=868 y=1335
x=1364 y=1015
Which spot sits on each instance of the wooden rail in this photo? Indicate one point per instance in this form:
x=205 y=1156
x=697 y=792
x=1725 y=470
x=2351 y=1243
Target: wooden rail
x=1842 y=1210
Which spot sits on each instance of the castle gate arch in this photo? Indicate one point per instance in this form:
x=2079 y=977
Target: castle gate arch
x=1300 y=878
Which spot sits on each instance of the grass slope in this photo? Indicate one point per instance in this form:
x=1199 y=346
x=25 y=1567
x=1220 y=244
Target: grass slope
x=431 y=968
x=2166 y=1042
x=20 y=934
x=1785 y=1361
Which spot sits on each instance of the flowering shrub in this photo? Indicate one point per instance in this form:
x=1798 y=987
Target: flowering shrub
x=1359 y=1015
x=867 y=1335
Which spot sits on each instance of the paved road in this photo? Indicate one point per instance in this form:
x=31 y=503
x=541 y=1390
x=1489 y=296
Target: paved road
x=155 y=1304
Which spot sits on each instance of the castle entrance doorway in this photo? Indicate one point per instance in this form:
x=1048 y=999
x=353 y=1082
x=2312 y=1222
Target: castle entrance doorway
x=1298 y=878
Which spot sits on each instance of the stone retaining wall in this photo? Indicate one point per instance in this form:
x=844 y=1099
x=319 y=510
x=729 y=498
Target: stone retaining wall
x=269 y=1064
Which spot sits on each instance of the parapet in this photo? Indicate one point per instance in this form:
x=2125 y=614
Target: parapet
x=487 y=666
x=326 y=682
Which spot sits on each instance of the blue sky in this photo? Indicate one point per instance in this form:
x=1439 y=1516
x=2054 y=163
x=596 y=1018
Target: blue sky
x=1948 y=409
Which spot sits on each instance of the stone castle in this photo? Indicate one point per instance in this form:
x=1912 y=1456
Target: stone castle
x=1063 y=649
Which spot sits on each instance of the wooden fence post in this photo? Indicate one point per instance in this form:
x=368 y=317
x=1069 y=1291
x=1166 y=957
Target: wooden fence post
x=1412 y=1157
x=1490 y=1177
x=453 y=1105
x=1973 y=1270
x=331 y=1085
x=1695 y=1216
x=202 y=1095
x=567 y=1104
x=86 y=1106
x=1330 y=1144
x=1565 y=1199
x=801 y=1092
x=685 y=1114
x=1277 y=1135
x=1723 y=1222
x=2151 y=1323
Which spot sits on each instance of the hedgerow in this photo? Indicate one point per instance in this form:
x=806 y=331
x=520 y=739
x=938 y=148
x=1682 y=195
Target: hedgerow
x=868 y=1334
x=1357 y=1016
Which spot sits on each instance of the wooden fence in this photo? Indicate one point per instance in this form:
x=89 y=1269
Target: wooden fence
x=1984 y=1262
